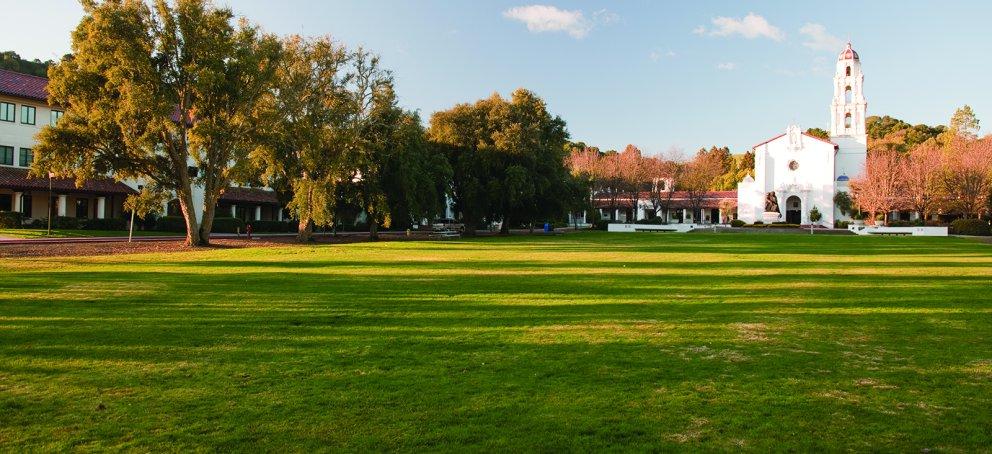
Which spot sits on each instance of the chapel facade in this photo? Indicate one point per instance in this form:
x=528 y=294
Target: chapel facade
x=796 y=172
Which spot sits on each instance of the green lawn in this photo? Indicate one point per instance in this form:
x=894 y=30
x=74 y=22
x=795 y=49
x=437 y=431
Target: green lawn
x=75 y=233
x=578 y=342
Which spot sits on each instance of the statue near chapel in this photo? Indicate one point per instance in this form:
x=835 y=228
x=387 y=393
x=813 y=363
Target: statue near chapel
x=795 y=136
x=771 y=203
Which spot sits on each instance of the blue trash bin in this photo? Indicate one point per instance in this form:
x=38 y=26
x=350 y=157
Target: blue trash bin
x=547 y=227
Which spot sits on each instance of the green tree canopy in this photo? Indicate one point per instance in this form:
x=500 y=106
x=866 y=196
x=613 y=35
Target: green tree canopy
x=507 y=158
x=11 y=61
x=170 y=93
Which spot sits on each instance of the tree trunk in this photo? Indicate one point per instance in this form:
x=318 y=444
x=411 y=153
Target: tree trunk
x=373 y=229
x=468 y=226
x=207 y=223
x=305 y=232
x=185 y=197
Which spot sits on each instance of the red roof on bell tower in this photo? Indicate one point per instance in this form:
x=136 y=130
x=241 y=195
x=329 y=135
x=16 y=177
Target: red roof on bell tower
x=848 y=54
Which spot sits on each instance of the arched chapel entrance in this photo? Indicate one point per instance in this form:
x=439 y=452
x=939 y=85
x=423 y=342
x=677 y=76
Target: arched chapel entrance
x=793 y=210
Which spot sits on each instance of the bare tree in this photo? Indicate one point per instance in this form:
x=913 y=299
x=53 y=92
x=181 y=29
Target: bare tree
x=920 y=172
x=633 y=174
x=700 y=175
x=877 y=189
x=968 y=176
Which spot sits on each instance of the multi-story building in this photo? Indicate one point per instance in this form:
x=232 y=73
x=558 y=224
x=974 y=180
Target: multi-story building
x=24 y=111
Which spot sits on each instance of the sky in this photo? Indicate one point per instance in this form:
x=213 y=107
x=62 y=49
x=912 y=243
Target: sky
x=659 y=75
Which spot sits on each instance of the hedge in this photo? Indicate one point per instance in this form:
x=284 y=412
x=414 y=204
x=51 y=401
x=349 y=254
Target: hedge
x=737 y=223
x=104 y=224
x=65 y=222
x=228 y=225
x=273 y=226
x=11 y=220
x=171 y=224
x=976 y=227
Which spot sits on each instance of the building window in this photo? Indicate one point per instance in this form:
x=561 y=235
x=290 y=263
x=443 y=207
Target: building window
x=847 y=120
x=6 y=155
x=6 y=111
x=26 y=205
x=6 y=202
x=27 y=115
x=848 y=94
x=26 y=157
x=56 y=116
x=82 y=208
x=848 y=71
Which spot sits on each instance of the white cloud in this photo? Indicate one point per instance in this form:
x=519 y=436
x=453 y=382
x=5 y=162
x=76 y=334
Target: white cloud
x=656 y=55
x=750 y=26
x=700 y=30
x=819 y=39
x=605 y=17
x=728 y=66
x=544 y=18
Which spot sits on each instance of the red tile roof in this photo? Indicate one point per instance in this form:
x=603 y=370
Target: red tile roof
x=23 y=85
x=805 y=134
x=17 y=179
x=250 y=195
x=848 y=54
x=679 y=200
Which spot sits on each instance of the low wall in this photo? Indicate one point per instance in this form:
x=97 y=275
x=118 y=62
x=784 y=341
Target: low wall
x=680 y=228
x=914 y=231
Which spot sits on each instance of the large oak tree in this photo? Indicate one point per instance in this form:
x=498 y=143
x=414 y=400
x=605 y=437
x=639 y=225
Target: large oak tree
x=169 y=92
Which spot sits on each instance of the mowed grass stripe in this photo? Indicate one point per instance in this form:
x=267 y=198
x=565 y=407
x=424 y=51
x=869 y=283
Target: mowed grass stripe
x=584 y=341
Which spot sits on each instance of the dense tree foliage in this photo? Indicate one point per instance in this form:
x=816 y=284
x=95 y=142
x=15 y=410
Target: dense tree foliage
x=306 y=121
x=888 y=133
x=818 y=133
x=154 y=91
x=926 y=169
x=10 y=60
x=507 y=159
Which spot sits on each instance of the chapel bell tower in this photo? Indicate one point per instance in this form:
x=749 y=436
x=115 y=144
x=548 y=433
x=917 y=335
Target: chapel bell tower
x=847 y=111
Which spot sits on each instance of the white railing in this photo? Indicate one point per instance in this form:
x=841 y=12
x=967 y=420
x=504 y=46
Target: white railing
x=882 y=230
x=628 y=228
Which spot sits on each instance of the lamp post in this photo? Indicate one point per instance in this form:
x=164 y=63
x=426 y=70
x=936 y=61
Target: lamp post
x=49 y=204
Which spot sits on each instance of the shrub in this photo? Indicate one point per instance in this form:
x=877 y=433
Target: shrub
x=975 y=227
x=38 y=223
x=65 y=222
x=838 y=224
x=104 y=224
x=11 y=220
x=737 y=223
x=758 y=223
x=272 y=226
x=652 y=221
x=601 y=224
x=228 y=225
x=170 y=224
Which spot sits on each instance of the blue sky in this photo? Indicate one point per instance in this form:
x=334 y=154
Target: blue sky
x=655 y=74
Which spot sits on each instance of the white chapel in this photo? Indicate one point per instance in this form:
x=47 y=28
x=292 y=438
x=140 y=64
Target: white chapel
x=795 y=172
